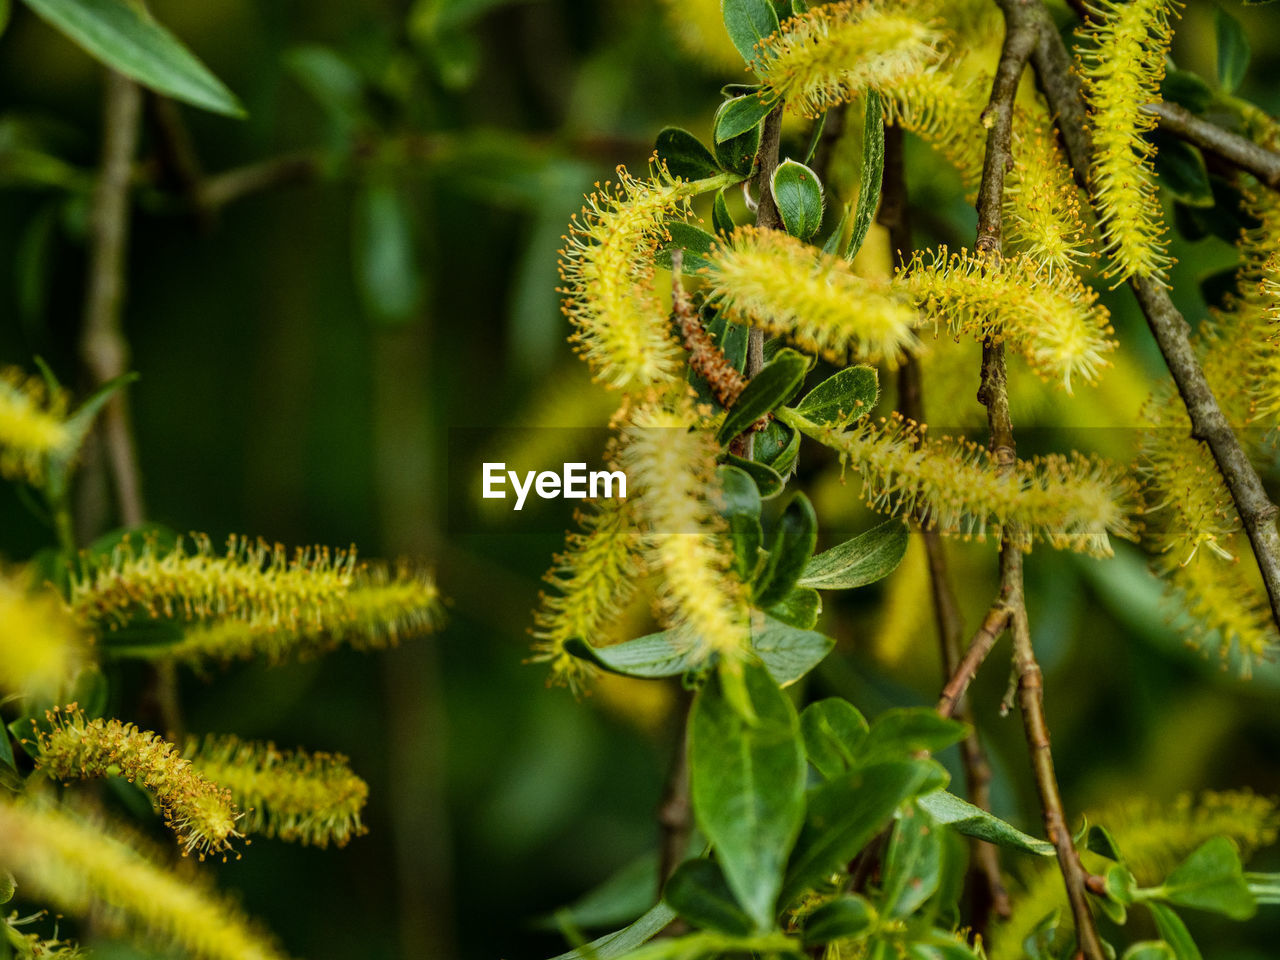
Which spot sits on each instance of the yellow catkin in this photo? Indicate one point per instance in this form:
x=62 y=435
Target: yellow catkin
x=81 y=868
x=31 y=425
x=621 y=327
x=255 y=600
x=32 y=946
x=1054 y=320
x=1122 y=64
x=832 y=53
x=590 y=581
x=671 y=461
x=40 y=645
x=1070 y=502
x=308 y=798
x=815 y=300
x=1154 y=838
x=198 y=811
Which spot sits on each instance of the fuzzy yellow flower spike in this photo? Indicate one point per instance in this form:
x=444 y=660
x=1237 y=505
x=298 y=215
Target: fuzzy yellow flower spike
x=40 y=645
x=31 y=425
x=591 y=582
x=832 y=53
x=671 y=459
x=1054 y=319
x=607 y=265
x=813 y=299
x=83 y=869
x=308 y=798
x=1122 y=64
x=195 y=808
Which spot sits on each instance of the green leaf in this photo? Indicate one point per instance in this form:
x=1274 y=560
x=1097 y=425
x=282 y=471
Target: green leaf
x=742 y=510
x=913 y=863
x=684 y=154
x=1211 y=878
x=775 y=384
x=777 y=445
x=871 y=176
x=721 y=218
x=387 y=268
x=963 y=817
x=621 y=898
x=843 y=815
x=832 y=730
x=694 y=241
x=790 y=550
x=699 y=893
x=747 y=785
x=1182 y=171
x=768 y=481
x=1099 y=841
x=1150 y=950
x=624 y=941
x=129 y=41
x=749 y=22
x=901 y=732
x=668 y=653
x=735 y=154
x=868 y=557
x=799 y=608
x=1174 y=932
x=739 y=115
x=788 y=652
x=850 y=917
x=798 y=193
x=1187 y=89
x=1233 y=50
x=843 y=398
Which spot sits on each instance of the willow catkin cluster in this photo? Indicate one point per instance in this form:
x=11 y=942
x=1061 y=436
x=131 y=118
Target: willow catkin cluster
x=1069 y=502
x=255 y=600
x=813 y=299
x=198 y=811
x=671 y=460
x=1122 y=63
x=621 y=327
x=41 y=647
x=308 y=798
x=1054 y=320
x=834 y=52
x=1154 y=837
x=589 y=583
x=84 y=869
x=32 y=425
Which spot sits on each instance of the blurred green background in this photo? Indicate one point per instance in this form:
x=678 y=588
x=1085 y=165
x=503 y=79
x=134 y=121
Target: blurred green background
x=305 y=351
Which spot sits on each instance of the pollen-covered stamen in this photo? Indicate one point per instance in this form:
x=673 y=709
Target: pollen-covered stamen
x=31 y=425
x=1122 y=63
x=198 y=811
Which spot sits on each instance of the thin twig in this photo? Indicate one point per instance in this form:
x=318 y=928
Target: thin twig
x=894 y=215
x=1241 y=153
x=294 y=168
x=1022 y=29
x=993 y=625
x=1171 y=331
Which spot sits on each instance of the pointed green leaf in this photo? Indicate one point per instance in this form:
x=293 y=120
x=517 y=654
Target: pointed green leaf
x=1211 y=878
x=747 y=785
x=684 y=155
x=699 y=893
x=668 y=653
x=621 y=898
x=1174 y=932
x=798 y=193
x=721 y=218
x=624 y=941
x=128 y=40
x=799 y=608
x=832 y=730
x=841 y=399
x=775 y=384
x=902 y=732
x=787 y=652
x=868 y=557
x=871 y=175
x=850 y=917
x=749 y=22
x=768 y=481
x=1233 y=50
x=790 y=550
x=736 y=154
x=777 y=445
x=739 y=115
x=694 y=241
x=742 y=509
x=963 y=817
x=913 y=863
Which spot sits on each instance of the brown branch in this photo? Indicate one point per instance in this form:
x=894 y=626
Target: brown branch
x=1172 y=335
x=894 y=214
x=1023 y=31
x=293 y=168
x=993 y=625
x=1241 y=153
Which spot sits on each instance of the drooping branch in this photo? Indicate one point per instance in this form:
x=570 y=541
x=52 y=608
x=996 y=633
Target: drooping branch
x=1170 y=329
x=1022 y=34
x=1243 y=154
